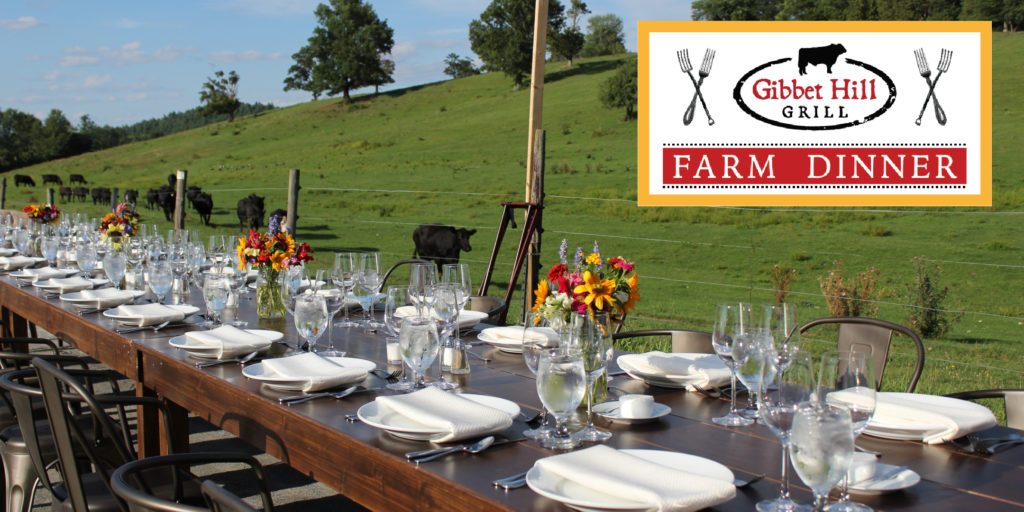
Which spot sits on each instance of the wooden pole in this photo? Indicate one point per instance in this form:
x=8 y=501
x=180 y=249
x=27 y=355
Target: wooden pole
x=3 y=194
x=293 y=200
x=49 y=196
x=540 y=32
x=537 y=193
x=179 y=203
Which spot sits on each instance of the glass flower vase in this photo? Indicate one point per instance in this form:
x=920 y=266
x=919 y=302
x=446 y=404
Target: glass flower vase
x=269 y=303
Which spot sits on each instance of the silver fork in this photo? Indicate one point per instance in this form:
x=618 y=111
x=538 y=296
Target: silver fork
x=925 y=71
x=388 y=376
x=703 y=72
x=136 y=329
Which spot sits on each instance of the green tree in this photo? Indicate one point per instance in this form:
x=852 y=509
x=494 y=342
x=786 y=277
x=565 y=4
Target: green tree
x=568 y=43
x=503 y=36
x=734 y=10
x=219 y=95
x=813 y=10
x=52 y=140
x=619 y=91
x=345 y=52
x=18 y=130
x=604 y=36
x=383 y=75
x=459 y=67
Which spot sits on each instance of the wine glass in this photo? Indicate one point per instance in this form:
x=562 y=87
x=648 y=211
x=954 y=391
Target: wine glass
x=114 y=264
x=821 y=448
x=731 y=321
x=395 y=297
x=20 y=239
x=346 y=266
x=779 y=327
x=749 y=353
x=421 y=279
x=311 y=318
x=370 y=282
x=48 y=246
x=778 y=402
x=237 y=281
x=536 y=336
x=217 y=250
x=291 y=281
x=85 y=256
x=445 y=309
x=418 y=341
x=135 y=251
x=160 y=277
x=561 y=383
x=596 y=349
x=457 y=276
x=847 y=380
x=215 y=292
x=334 y=299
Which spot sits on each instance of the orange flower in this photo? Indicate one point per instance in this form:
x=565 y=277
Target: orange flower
x=634 y=293
x=597 y=290
x=541 y=294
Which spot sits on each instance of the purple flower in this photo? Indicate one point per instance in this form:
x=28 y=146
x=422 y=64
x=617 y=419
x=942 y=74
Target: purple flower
x=563 y=250
x=274 y=226
x=578 y=259
x=597 y=250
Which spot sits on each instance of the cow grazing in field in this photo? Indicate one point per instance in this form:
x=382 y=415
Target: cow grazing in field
x=166 y=201
x=66 y=194
x=21 y=179
x=81 y=193
x=100 y=195
x=172 y=181
x=52 y=178
x=827 y=55
x=203 y=203
x=76 y=178
x=131 y=196
x=440 y=244
x=152 y=198
x=190 y=194
x=250 y=211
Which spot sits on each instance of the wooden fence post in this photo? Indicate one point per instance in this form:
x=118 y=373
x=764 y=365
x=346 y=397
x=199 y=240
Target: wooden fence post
x=536 y=196
x=179 y=203
x=3 y=194
x=293 y=200
x=49 y=196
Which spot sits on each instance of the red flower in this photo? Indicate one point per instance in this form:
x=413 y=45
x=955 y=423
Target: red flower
x=557 y=272
x=563 y=284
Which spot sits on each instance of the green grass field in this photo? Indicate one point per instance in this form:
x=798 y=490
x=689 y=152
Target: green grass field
x=449 y=152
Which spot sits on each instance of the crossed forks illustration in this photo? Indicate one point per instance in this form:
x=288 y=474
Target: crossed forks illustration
x=705 y=69
x=926 y=72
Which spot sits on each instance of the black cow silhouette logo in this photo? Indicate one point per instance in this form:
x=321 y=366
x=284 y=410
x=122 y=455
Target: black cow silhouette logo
x=827 y=55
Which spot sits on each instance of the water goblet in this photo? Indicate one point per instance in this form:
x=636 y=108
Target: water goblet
x=395 y=297
x=85 y=256
x=334 y=299
x=21 y=239
x=159 y=278
x=311 y=318
x=821 y=448
x=114 y=264
x=749 y=353
x=237 y=281
x=596 y=349
x=731 y=321
x=445 y=310
x=778 y=402
x=457 y=276
x=370 y=281
x=215 y=292
x=561 y=384
x=847 y=380
x=421 y=279
x=537 y=337
x=346 y=266
x=48 y=246
x=418 y=341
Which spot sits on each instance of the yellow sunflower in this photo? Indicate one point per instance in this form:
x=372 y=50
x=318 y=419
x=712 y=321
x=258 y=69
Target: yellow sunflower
x=598 y=290
x=634 y=293
x=593 y=259
x=541 y=294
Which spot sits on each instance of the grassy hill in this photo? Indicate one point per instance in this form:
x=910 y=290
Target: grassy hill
x=449 y=152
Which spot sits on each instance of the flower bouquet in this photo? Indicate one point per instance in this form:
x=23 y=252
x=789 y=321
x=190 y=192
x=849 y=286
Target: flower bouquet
x=46 y=214
x=120 y=224
x=269 y=253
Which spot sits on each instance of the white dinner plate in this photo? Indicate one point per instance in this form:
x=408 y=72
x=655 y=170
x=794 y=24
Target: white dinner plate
x=114 y=314
x=582 y=498
x=93 y=298
x=909 y=430
x=35 y=261
x=50 y=287
x=502 y=344
x=610 y=412
x=272 y=380
x=467 y=318
x=664 y=380
x=31 y=277
x=902 y=480
x=207 y=351
x=400 y=426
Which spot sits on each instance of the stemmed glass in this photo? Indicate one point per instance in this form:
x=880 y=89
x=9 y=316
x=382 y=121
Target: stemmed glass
x=561 y=384
x=114 y=266
x=596 y=349
x=48 y=246
x=821 y=448
x=160 y=277
x=446 y=311
x=237 y=281
x=457 y=276
x=418 y=341
x=778 y=402
x=334 y=300
x=345 y=270
x=749 y=353
x=370 y=281
x=215 y=292
x=311 y=317
x=20 y=239
x=535 y=341
x=291 y=280
x=85 y=256
x=731 y=321
x=396 y=297
x=847 y=380
x=421 y=279
x=217 y=250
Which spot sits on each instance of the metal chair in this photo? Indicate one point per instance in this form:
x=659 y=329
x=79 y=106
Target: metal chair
x=493 y=306
x=384 y=280
x=1013 y=399
x=142 y=484
x=878 y=334
x=683 y=340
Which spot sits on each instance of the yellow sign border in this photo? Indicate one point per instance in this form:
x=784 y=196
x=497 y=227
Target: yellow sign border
x=645 y=198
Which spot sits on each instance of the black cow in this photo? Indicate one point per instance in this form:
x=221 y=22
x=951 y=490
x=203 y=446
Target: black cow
x=100 y=195
x=152 y=198
x=66 y=194
x=81 y=193
x=166 y=201
x=190 y=194
x=250 y=211
x=440 y=244
x=131 y=196
x=21 y=179
x=76 y=178
x=827 y=55
x=172 y=180
x=203 y=203
x=52 y=178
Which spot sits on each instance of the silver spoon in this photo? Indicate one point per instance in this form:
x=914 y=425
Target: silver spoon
x=240 y=360
x=476 y=447
x=136 y=329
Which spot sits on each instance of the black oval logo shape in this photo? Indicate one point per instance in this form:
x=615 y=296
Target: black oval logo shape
x=738 y=96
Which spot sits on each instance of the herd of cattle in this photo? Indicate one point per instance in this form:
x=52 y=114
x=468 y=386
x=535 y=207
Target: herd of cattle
x=435 y=242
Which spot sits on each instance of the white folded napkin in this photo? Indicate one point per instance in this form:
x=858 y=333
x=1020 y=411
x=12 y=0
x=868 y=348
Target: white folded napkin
x=941 y=418
x=33 y=275
x=15 y=262
x=106 y=297
x=319 y=373
x=229 y=341
x=612 y=472
x=711 y=370
x=142 y=315
x=7 y=251
x=514 y=334
x=69 y=284
x=460 y=417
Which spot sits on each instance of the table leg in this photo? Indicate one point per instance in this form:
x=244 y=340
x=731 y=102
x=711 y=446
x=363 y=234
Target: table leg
x=153 y=437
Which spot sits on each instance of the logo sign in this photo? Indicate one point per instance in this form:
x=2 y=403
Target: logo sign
x=815 y=113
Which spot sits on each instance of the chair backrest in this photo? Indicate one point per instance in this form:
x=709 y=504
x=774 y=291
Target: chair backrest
x=384 y=279
x=1013 y=399
x=877 y=334
x=493 y=306
x=220 y=500
x=683 y=340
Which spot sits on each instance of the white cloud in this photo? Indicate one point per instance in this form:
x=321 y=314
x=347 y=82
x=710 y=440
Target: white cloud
x=78 y=60
x=404 y=50
x=127 y=53
x=95 y=81
x=228 y=56
x=51 y=76
x=136 y=97
x=21 y=23
x=126 y=23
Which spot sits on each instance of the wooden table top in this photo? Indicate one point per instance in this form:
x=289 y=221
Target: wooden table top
x=368 y=465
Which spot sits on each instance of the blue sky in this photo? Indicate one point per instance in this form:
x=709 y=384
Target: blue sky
x=122 y=61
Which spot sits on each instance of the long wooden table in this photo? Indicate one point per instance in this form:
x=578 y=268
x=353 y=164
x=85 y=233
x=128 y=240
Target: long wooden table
x=368 y=466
